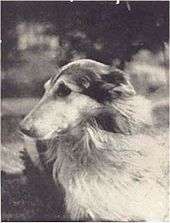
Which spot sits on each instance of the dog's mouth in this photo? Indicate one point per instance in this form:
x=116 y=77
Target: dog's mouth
x=35 y=135
x=28 y=135
x=73 y=130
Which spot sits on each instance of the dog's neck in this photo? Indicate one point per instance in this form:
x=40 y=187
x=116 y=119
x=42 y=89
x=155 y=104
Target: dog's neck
x=94 y=152
x=82 y=144
x=126 y=116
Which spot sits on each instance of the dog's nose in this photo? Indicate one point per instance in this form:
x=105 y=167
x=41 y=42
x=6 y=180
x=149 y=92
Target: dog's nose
x=26 y=130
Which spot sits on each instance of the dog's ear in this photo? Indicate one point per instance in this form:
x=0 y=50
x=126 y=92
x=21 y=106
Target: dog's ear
x=111 y=85
x=117 y=83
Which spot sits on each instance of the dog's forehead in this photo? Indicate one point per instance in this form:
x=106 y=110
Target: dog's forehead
x=84 y=68
x=75 y=73
x=81 y=69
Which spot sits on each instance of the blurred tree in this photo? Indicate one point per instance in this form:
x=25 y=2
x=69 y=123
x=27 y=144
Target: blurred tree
x=119 y=32
x=59 y=32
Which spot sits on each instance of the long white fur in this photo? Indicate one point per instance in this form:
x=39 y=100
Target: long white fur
x=116 y=176
x=112 y=176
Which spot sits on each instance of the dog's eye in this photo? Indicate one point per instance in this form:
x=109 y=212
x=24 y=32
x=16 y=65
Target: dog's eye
x=62 y=90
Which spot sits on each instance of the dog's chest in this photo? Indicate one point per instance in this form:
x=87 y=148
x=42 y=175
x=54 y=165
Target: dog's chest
x=113 y=197
x=109 y=194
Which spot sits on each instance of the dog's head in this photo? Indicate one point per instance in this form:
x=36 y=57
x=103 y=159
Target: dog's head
x=77 y=90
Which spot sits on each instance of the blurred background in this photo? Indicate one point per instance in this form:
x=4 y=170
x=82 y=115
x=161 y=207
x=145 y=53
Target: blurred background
x=39 y=37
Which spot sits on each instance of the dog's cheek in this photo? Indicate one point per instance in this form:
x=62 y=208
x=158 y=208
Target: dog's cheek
x=84 y=104
x=44 y=122
x=43 y=127
x=54 y=122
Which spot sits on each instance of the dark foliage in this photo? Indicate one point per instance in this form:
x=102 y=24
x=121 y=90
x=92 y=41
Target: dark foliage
x=120 y=32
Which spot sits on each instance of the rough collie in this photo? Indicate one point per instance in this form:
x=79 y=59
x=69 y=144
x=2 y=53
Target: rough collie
x=109 y=168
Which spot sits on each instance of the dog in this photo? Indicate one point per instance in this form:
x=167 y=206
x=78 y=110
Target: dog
x=109 y=168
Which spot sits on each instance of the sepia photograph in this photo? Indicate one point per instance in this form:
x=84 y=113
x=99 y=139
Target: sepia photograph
x=84 y=111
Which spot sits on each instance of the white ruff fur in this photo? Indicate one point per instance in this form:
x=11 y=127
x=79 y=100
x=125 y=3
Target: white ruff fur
x=112 y=176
